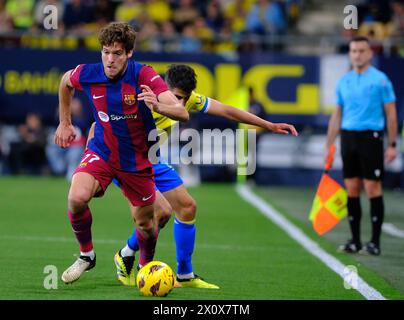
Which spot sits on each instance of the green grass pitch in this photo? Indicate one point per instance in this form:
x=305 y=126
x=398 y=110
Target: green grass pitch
x=237 y=248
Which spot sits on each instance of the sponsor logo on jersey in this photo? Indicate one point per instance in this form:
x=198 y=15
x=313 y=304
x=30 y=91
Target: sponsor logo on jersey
x=115 y=117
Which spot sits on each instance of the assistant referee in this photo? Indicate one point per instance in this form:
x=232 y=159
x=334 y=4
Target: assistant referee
x=365 y=106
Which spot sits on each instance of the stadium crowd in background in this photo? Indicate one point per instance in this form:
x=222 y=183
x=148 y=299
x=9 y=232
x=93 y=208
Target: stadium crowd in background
x=382 y=21
x=175 y=25
x=27 y=153
x=29 y=149
x=64 y=161
x=220 y=26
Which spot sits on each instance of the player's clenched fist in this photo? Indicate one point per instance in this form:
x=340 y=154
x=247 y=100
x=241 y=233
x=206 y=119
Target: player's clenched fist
x=64 y=135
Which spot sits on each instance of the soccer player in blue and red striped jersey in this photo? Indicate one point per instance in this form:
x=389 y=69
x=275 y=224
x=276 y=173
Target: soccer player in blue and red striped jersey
x=123 y=94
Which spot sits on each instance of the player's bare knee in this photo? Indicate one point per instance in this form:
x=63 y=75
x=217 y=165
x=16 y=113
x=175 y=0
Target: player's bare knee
x=78 y=199
x=188 y=210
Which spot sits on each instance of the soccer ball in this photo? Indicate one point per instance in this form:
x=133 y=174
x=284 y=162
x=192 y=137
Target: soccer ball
x=156 y=278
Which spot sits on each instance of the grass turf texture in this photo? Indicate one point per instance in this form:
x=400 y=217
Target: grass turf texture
x=236 y=247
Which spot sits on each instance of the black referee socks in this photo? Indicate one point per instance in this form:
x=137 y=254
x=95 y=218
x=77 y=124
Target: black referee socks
x=354 y=218
x=377 y=216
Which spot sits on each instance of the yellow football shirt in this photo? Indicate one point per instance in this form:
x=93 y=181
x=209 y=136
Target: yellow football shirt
x=196 y=102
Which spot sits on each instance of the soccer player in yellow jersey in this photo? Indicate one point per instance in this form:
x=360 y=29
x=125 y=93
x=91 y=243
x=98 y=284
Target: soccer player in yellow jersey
x=181 y=80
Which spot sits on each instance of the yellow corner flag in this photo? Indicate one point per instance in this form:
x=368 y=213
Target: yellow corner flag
x=330 y=203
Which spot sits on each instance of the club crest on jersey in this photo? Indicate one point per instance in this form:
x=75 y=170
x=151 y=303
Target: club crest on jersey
x=129 y=98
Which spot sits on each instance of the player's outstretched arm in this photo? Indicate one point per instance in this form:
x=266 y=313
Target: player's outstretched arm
x=65 y=132
x=220 y=109
x=166 y=104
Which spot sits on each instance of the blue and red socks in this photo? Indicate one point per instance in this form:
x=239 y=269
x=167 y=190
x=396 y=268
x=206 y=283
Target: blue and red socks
x=147 y=246
x=81 y=224
x=131 y=244
x=184 y=235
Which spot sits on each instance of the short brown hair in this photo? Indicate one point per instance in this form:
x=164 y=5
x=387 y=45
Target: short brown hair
x=359 y=39
x=118 y=32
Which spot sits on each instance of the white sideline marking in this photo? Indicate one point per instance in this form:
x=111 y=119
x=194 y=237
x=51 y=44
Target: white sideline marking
x=392 y=230
x=363 y=288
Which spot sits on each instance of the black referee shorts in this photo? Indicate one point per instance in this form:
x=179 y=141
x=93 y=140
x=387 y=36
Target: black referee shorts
x=362 y=154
